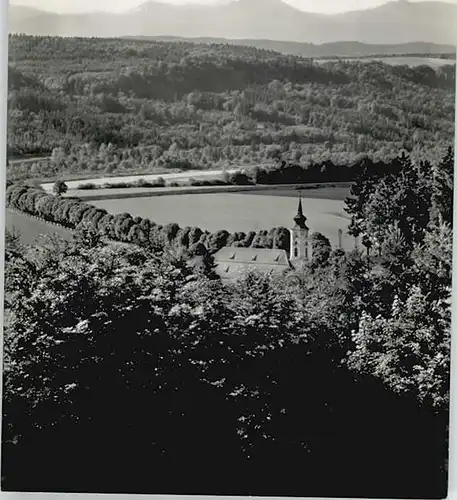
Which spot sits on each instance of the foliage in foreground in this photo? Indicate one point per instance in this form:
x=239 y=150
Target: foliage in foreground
x=117 y=362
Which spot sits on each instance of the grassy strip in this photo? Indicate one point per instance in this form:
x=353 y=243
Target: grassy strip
x=96 y=175
x=191 y=182
x=107 y=194
x=118 y=173
x=159 y=182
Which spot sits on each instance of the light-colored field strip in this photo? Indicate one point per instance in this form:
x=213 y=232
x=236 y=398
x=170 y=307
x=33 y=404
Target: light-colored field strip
x=200 y=174
x=433 y=62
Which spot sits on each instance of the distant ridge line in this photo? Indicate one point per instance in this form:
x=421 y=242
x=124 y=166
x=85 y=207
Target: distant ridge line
x=328 y=49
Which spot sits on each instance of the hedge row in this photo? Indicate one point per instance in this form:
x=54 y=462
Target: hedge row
x=160 y=182
x=141 y=183
x=290 y=173
x=72 y=213
x=280 y=173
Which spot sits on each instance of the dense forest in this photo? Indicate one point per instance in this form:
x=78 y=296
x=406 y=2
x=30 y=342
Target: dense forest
x=138 y=371
x=108 y=105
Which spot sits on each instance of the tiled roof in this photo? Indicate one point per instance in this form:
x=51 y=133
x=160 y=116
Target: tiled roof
x=233 y=261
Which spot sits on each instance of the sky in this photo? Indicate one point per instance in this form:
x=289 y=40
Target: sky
x=67 y=6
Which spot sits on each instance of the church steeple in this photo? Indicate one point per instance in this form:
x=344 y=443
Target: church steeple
x=300 y=219
x=299 y=242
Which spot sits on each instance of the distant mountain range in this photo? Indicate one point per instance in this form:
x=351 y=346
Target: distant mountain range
x=396 y=22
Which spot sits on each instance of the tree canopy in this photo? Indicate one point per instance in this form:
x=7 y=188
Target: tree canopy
x=103 y=106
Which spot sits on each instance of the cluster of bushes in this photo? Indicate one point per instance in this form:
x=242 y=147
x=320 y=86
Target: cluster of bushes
x=289 y=172
x=72 y=212
x=207 y=182
x=284 y=172
x=88 y=185
x=238 y=178
x=140 y=183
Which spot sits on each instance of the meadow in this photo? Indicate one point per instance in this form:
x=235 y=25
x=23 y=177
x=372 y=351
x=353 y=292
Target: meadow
x=237 y=212
x=433 y=62
x=411 y=61
x=175 y=176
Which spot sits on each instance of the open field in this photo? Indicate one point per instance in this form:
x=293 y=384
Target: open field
x=434 y=62
x=84 y=177
x=236 y=212
x=200 y=174
x=30 y=229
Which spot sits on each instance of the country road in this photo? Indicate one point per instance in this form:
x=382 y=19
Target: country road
x=27 y=159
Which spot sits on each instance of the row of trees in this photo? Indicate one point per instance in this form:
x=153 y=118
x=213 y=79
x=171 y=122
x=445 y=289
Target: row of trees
x=132 y=370
x=279 y=167
x=71 y=212
x=282 y=167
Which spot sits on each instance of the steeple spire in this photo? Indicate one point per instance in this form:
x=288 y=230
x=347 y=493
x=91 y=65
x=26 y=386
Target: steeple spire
x=300 y=208
x=300 y=219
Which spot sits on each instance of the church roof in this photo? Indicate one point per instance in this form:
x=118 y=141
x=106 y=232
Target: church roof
x=233 y=261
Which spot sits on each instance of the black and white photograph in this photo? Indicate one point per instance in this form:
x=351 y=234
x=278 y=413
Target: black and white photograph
x=228 y=245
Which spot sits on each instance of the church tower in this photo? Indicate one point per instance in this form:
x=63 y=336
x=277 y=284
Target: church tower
x=299 y=237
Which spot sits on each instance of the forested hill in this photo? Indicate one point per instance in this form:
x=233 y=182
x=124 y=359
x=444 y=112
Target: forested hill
x=169 y=104
x=332 y=49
